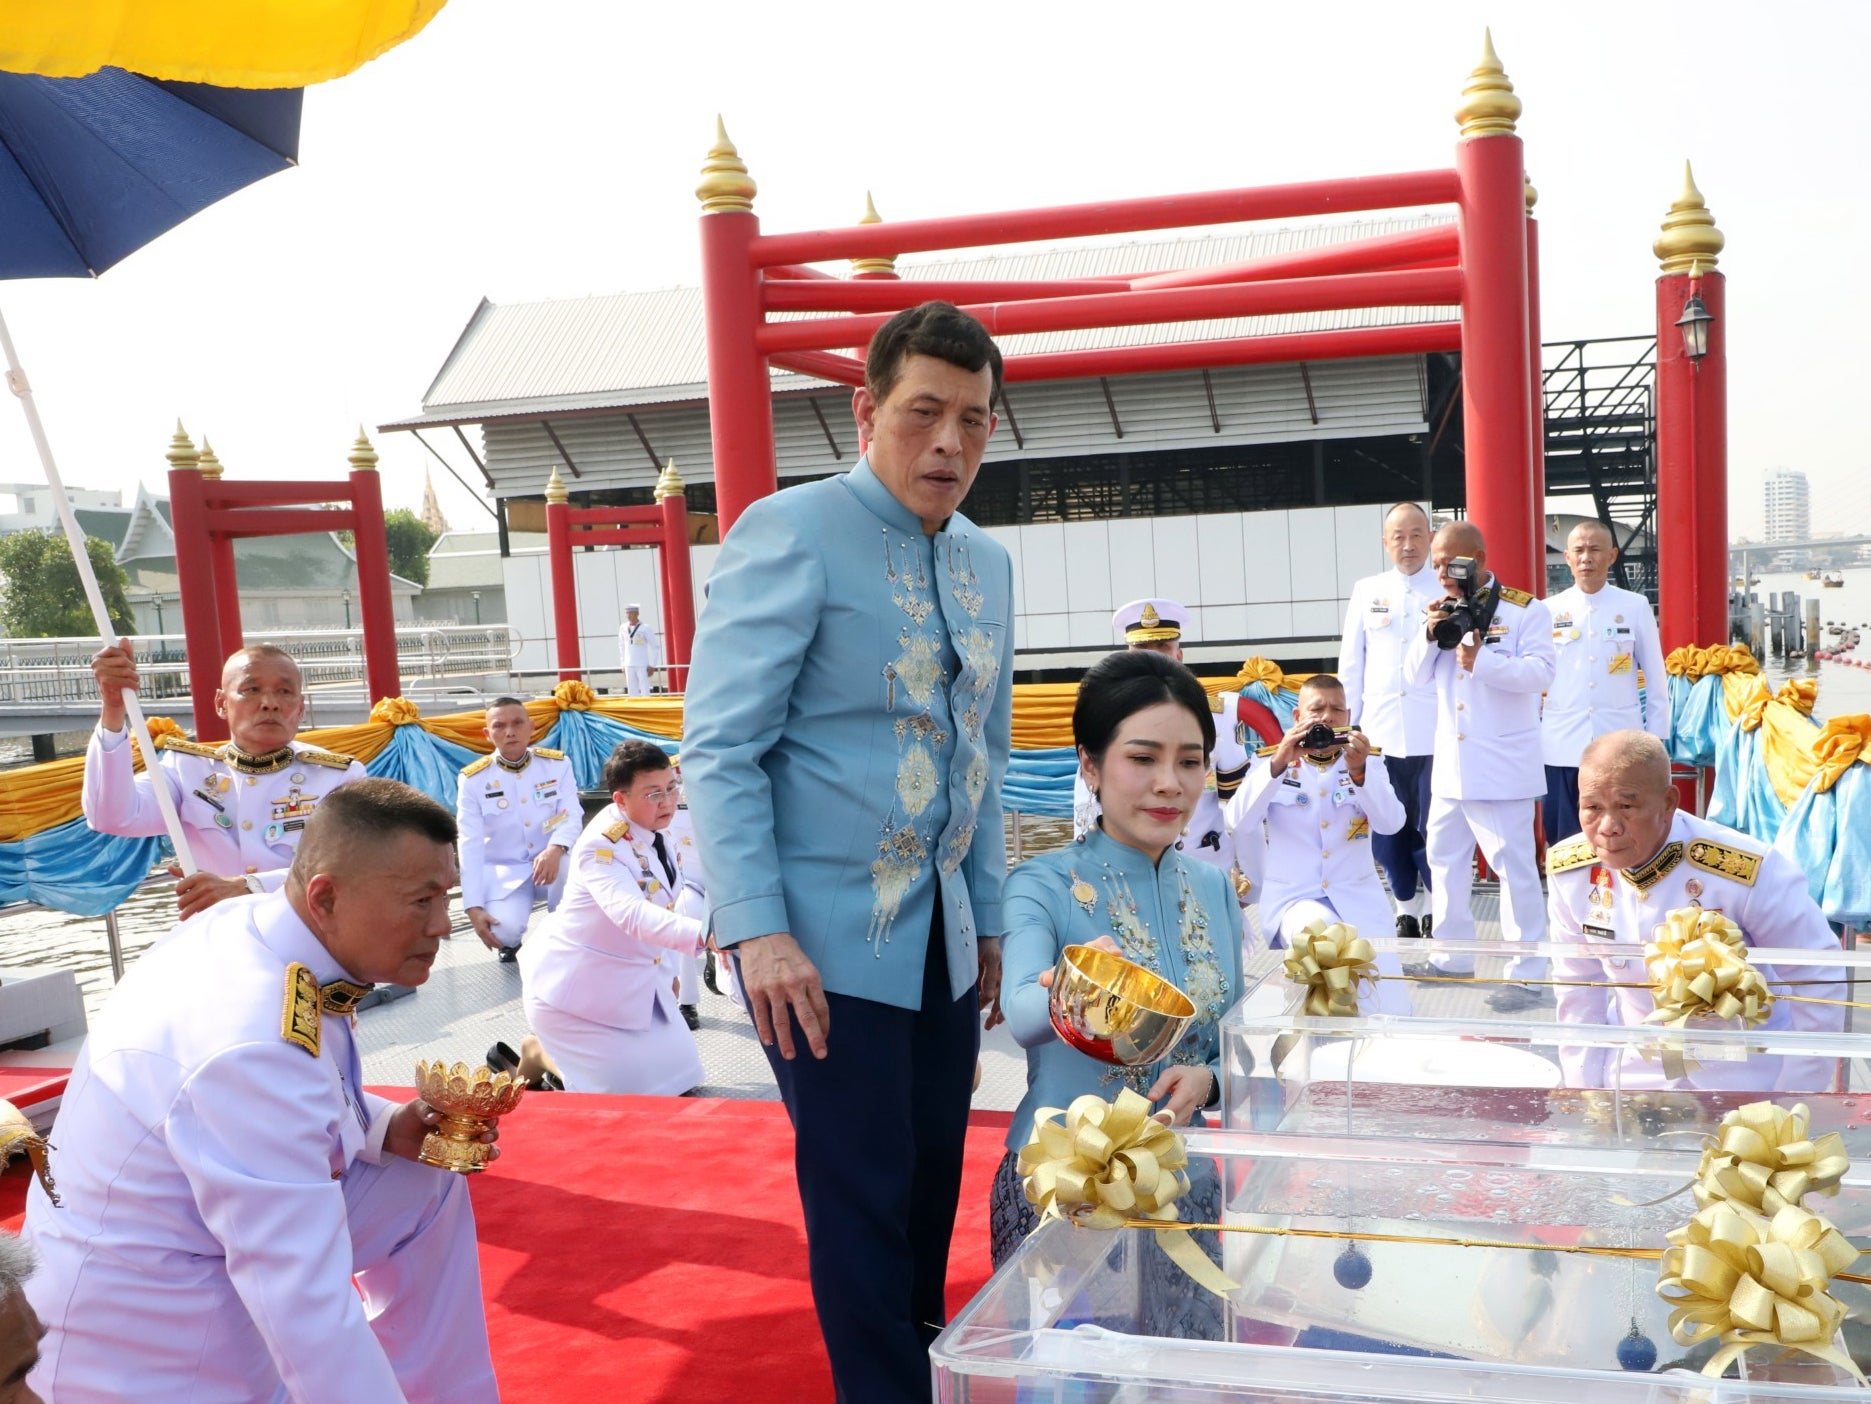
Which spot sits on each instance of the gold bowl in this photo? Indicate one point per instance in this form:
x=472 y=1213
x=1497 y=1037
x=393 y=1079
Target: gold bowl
x=470 y=1101
x=1113 y=1009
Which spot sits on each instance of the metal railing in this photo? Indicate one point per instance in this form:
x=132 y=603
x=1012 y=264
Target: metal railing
x=54 y=673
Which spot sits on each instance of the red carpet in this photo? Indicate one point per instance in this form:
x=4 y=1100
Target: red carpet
x=649 y=1250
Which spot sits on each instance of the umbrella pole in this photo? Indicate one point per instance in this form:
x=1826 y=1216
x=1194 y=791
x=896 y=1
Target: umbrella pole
x=16 y=381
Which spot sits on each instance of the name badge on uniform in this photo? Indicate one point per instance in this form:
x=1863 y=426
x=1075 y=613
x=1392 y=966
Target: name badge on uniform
x=1341 y=794
x=1621 y=663
x=1603 y=933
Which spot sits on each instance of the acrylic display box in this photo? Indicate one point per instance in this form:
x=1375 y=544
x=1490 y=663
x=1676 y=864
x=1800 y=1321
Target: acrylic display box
x=1455 y=1069
x=1083 y=1316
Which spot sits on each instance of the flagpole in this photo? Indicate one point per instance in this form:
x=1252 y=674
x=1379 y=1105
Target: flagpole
x=17 y=382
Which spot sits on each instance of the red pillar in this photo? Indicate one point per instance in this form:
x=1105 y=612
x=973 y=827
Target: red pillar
x=1692 y=433
x=740 y=398
x=376 y=610
x=194 y=575
x=564 y=589
x=1495 y=333
x=226 y=594
x=1536 y=378
x=678 y=591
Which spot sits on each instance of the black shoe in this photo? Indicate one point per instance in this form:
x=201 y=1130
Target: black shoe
x=501 y=1058
x=708 y=973
x=1429 y=925
x=509 y=954
x=691 y=1016
x=1516 y=999
x=1408 y=928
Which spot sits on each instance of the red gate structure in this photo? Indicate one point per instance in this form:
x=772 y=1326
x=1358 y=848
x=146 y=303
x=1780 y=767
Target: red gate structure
x=665 y=526
x=1480 y=264
x=209 y=514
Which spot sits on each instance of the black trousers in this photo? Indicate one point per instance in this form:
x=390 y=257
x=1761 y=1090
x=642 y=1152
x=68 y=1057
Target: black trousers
x=878 y=1126
x=1401 y=854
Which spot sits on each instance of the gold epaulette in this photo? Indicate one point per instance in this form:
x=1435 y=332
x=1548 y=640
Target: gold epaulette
x=1513 y=596
x=547 y=753
x=478 y=766
x=1735 y=864
x=619 y=830
x=1573 y=853
x=299 y=1017
x=1266 y=750
x=1216 y=705
x=191 y=748
x=331 y=760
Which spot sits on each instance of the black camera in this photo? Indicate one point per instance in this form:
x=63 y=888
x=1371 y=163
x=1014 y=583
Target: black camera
x=1461 y=616
x=1323 y=736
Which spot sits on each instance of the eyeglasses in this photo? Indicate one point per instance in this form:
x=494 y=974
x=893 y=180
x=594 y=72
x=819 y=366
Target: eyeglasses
x=672 y=791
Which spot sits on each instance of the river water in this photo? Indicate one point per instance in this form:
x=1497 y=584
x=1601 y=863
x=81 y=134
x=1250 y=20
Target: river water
x=1843 y=689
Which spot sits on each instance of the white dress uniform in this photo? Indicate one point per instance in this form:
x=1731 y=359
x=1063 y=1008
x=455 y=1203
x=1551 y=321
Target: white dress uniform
x=223 y=1179
x=639 y=649
x=1601 y=642
x=1383 y=617
x=1488 y=777
x=1707 y=865
x=508 y=815
x=600 y=974
x=681 y=833
x=1317 y=825
x=242 y=814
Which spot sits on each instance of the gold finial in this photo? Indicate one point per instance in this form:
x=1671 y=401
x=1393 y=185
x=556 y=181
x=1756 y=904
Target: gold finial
x=210 y=465
x=1689 y=238
x=877 y=264
x=669 y=482
x=182 y=454
x=1533 y=196
x=1489 y=107
x=725 y=184
x=363 y=457
x=555 y=487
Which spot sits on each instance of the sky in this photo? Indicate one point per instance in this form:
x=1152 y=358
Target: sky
x=550 y=149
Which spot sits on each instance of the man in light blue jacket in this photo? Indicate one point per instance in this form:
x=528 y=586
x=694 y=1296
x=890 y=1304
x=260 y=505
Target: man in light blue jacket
x=846 y=731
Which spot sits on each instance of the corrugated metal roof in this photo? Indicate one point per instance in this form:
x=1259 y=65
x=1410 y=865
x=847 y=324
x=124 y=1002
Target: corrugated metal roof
x=628 y=349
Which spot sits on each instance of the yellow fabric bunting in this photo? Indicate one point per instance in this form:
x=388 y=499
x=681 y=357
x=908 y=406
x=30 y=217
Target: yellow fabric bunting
x=1699 y=967
x=396 y=711
x=231 y=43
x=1262 y=670
x=1715 y=661
x=1746 y=1279
x=574 y=696
x=1331 y=963
x=1841 y=742
x=1109 y=1163
x=1762 y=1157
x=1800 y=694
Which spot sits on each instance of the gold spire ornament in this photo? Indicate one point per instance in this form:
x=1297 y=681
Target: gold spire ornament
x=363 y=458
x=1533 y=196
x=725 y=184
x=879 y=263
x=182 y=454
x=210 y=465
x=555 y=487
x=669 y=482
x=1689 y=234
x=1489 y=107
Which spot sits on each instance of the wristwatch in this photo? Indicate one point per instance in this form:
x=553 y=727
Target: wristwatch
x=254 y=885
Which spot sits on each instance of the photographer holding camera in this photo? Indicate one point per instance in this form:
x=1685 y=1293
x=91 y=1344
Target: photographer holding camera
x=1323 y=794
x=1488 y=649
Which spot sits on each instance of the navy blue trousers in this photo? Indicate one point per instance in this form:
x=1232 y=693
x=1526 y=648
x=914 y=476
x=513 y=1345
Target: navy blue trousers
x=878 y=1128
x=1562 y=802
x=1401 y=854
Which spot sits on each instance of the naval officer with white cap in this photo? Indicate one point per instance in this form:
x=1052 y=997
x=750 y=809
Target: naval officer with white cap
x=519 y=815
x=243 y=802
x=639 y=649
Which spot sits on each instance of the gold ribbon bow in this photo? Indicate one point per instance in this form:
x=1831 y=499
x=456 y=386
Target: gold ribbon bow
x=1331 y=962
x=1762 y=1157
x=1698 y=963
x=1261 y=670
x=1108 y=1163
x=1840 y=742
x=1747 y=1279
x=574 y=696
x=396 y=711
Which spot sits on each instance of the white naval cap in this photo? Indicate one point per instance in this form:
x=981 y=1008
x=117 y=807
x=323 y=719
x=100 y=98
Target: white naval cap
x=1149 y=621
x=637 y=607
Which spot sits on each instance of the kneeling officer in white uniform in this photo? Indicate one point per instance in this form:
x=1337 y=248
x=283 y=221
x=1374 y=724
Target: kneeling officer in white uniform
x=225 y=1176
x=519 y=816
x=243 y=802
x=1322 y=793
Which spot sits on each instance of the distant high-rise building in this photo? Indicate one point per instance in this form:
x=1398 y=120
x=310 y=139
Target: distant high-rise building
x=1789 y=506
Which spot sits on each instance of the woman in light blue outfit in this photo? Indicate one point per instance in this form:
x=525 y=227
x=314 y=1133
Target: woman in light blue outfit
x=1144 y=732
